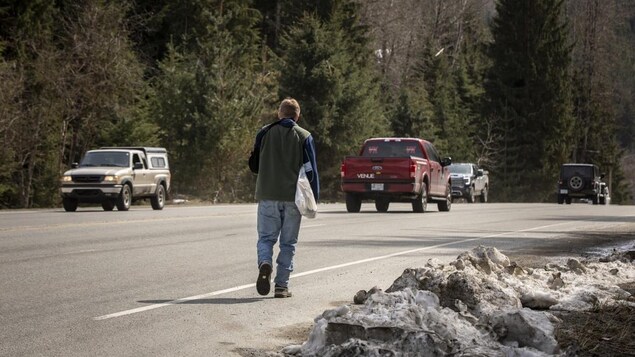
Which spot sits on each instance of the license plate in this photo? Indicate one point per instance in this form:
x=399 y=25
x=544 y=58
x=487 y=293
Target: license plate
x=564 y=191
x=376 y=186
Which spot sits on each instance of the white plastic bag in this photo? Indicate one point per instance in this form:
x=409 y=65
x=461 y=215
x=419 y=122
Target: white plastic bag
x=304 y=199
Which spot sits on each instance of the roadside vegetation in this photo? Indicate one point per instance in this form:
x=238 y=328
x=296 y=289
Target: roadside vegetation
x=518 y=87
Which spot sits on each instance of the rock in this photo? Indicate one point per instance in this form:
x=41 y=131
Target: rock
x=538 y=300
x=576 y=266
x=555 y=282
x=408 y=279
x=477 y=294
x=484 y=259
x=360 y=297
x=514 y=269
x=526 y=328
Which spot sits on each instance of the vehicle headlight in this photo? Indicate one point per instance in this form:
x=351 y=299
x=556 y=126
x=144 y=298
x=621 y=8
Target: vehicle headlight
x=466 y=180
x=67 y=178
x=110 y=178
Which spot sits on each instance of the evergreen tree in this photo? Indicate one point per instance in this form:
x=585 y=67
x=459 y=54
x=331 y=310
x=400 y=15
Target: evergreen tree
x=410 y=114
x=453 y=133
x=279 y=16
x=29 y=153
x=470 y=68
x=327 y=67
x=529 y=97
x=103 y=80
x=209 y=102
x=600 y=94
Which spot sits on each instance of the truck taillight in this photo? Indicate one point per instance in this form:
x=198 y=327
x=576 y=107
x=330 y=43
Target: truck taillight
x=413 y=169
x=343 y=170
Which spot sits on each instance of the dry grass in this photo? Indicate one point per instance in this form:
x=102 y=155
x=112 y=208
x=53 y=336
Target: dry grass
x=607 y=331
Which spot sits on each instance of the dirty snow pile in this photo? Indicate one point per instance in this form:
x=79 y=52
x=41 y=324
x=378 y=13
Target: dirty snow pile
x=479 y=304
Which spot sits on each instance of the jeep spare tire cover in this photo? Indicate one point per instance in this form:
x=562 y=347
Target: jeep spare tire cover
x=576 y=183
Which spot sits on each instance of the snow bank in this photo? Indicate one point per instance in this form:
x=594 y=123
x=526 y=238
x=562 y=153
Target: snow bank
x=480 y=304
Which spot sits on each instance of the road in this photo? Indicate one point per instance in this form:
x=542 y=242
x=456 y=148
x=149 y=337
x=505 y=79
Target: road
x=180 y=282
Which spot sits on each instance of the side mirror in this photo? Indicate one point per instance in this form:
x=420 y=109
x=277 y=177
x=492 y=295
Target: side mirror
x=138 y=166
x=74 y=165
x=479 y=173
x=602 y=175
x=446 y=161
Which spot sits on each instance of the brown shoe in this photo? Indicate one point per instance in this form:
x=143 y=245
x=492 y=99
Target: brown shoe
x=263 y=284
x=281 y=292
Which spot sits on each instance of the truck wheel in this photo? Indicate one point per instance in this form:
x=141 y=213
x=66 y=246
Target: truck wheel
x=568 y=200
x=420 y=203
x=353 y=203
x=158 y=200
x=444 y=206
x=484 y=195
x=70 y=204
x=470 y=196
x=108 y=205
x=595 y=199
x=125 y=198
x=382 y=205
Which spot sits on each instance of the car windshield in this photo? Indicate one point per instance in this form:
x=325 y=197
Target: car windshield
x=460 y=169
x=106 y=158
x=392 y=149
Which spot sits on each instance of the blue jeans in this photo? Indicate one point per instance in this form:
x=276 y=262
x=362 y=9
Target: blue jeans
x=278 y=219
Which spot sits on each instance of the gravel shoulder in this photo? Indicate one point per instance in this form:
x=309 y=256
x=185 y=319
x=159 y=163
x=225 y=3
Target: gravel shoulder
x=576 y=245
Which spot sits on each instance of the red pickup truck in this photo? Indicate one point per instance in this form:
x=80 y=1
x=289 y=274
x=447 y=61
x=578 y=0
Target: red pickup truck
x=396 y=170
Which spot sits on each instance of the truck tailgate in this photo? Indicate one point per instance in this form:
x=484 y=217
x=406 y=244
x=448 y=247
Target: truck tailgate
x=378 y=169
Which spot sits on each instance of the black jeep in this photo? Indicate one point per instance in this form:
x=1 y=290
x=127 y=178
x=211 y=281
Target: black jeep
x=582 y=181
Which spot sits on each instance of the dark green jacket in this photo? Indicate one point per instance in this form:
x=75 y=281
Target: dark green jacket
x=281 y=155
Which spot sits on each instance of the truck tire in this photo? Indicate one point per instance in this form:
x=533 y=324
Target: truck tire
x=108 y=205
x=484 y=195
x=158 y=200
x=353 y=203
x=567 y=200
x=420 y=204
x=470 y=197
x=382 y=205
x=560 y=199
x=125 y=198
x=70 y=204
x=444 y=206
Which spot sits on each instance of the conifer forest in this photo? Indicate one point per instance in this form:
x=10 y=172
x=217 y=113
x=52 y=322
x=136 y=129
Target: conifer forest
x=517 y=86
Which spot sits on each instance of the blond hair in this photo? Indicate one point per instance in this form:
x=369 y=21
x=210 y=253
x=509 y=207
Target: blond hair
x=289 y=108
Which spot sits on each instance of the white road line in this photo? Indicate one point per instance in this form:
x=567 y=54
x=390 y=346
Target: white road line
x=173 y=302
x=310 y=272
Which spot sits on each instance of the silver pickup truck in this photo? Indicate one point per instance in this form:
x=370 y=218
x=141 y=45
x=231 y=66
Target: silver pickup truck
x=116 y=176
x=469 y=181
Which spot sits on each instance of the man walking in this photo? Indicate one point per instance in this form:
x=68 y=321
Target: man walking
x=284 y=148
